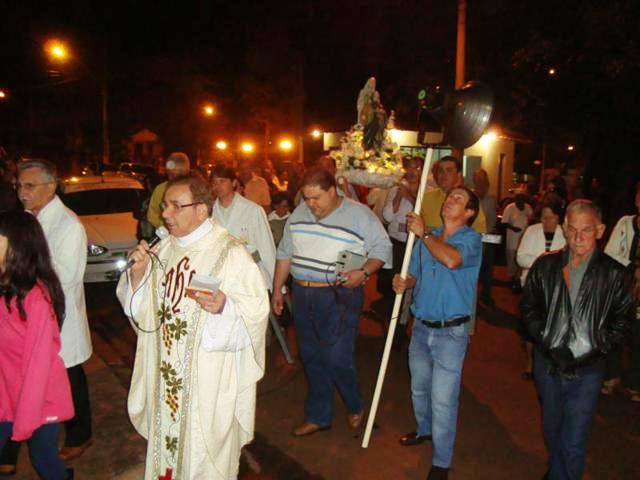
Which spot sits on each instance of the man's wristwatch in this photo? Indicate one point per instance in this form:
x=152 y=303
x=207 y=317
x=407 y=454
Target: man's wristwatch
x=427 y=234
x=366 y=274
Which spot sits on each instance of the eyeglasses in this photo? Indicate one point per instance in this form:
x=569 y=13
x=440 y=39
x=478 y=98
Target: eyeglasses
x=176 y=205
x=29 y=186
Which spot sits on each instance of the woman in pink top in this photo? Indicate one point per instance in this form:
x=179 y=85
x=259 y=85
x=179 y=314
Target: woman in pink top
x=34 y=388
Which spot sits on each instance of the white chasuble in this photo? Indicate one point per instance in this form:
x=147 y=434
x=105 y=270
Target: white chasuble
x=193 y=388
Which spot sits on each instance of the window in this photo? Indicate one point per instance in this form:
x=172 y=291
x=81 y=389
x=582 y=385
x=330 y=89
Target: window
x=99 y=202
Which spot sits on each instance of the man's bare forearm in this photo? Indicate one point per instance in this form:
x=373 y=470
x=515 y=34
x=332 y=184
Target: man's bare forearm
x=283 y=267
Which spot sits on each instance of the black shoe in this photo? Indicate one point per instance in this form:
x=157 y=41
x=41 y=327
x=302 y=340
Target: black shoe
x=69 y=475
x=438 y=473
x=412 y=438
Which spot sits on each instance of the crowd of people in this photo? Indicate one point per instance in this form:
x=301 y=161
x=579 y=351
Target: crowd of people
x=243 y=243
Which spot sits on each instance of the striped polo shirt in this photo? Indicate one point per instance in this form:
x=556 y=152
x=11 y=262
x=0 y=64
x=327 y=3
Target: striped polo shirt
x=313 y=245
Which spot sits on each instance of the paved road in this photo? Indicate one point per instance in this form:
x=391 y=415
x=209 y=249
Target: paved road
x=498 y=434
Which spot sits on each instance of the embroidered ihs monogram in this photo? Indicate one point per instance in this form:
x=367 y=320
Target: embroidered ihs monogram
x=176 y=280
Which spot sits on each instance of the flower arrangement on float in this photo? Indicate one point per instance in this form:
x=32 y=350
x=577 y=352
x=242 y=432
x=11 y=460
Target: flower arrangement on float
x=368 y=154
x=372 y=168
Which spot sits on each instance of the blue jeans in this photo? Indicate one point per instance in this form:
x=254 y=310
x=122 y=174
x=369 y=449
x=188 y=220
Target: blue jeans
x=43 y=449
x=436 y=356
x=326 y=321
x=568 y=407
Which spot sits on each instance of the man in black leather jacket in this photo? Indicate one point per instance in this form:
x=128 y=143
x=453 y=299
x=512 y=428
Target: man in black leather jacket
x=576 y=307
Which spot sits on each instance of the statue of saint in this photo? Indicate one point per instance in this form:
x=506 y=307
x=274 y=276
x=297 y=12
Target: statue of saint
x=371 y=116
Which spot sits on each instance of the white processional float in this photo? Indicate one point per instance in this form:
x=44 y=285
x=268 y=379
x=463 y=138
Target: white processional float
x=369 y=156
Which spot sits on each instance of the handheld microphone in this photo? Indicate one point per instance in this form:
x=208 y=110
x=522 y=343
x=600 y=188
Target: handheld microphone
x=161 y=234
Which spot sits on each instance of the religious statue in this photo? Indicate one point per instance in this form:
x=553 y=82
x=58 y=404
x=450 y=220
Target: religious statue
x=371 y=116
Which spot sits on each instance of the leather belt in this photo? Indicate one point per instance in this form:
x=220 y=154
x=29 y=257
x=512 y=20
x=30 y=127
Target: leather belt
x=446 y=323
x=309 y=283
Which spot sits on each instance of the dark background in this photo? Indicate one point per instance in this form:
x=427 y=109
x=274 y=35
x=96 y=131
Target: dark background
x=300 y=64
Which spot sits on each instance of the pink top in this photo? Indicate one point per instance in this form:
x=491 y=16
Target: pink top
x=34 y=386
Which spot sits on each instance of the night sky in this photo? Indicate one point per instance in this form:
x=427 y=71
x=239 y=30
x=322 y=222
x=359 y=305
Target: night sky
x=301 y=63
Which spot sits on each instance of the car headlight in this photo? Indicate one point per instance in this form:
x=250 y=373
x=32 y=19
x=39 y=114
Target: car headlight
x=94 y=250
x=121 y=264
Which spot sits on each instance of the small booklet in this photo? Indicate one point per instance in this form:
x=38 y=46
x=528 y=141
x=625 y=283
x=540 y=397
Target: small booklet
x=203 y=284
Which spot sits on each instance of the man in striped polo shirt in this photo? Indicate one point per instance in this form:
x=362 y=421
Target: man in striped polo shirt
x=326 y=306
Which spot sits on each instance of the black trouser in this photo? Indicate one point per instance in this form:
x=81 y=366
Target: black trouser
x=77 y=430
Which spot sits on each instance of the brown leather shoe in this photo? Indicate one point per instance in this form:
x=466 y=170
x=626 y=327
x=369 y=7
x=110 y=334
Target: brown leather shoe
x=412 y=438
x=355 y=419
x=70 y=453
x=308 y=428
x=7 y=470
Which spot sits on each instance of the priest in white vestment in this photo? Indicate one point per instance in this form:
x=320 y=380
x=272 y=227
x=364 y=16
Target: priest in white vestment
x=244 y=219
x=199 y=357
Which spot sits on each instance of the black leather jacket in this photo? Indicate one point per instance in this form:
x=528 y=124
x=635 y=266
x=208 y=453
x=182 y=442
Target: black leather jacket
x=603 y=300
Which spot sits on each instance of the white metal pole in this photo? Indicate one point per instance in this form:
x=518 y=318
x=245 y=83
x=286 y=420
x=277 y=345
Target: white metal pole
x=396 y=305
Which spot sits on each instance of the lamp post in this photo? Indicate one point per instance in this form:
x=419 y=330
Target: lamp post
x=58 y=52
x=208 y=111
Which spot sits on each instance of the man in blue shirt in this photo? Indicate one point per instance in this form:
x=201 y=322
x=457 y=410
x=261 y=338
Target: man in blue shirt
x=443 y=273
x=326 y=306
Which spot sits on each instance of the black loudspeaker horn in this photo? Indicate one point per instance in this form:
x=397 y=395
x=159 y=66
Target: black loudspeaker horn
x=464 y=114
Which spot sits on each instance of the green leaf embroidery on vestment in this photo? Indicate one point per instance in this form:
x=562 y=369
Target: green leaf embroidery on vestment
x=171 y=444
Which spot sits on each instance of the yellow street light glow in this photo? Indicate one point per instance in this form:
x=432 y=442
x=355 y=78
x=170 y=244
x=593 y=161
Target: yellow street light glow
x=316 y=134
x=3 y=94
x=247 y=147
x=488 y=137
x=570 y=148
x=221 y=145
x=286 y=145
x=57 y=50
x=209 y=110
x=552 y=71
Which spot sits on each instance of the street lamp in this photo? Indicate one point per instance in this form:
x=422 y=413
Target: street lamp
x=286 y=145
x=247 y=147
x=221 y=145
x=316 y=134
x=3 y=94
x=552 y=71
x=571 y=148
x=57 y=50
x=208 y=110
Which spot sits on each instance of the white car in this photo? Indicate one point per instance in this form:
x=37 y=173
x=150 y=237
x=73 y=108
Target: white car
x=105 y=206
